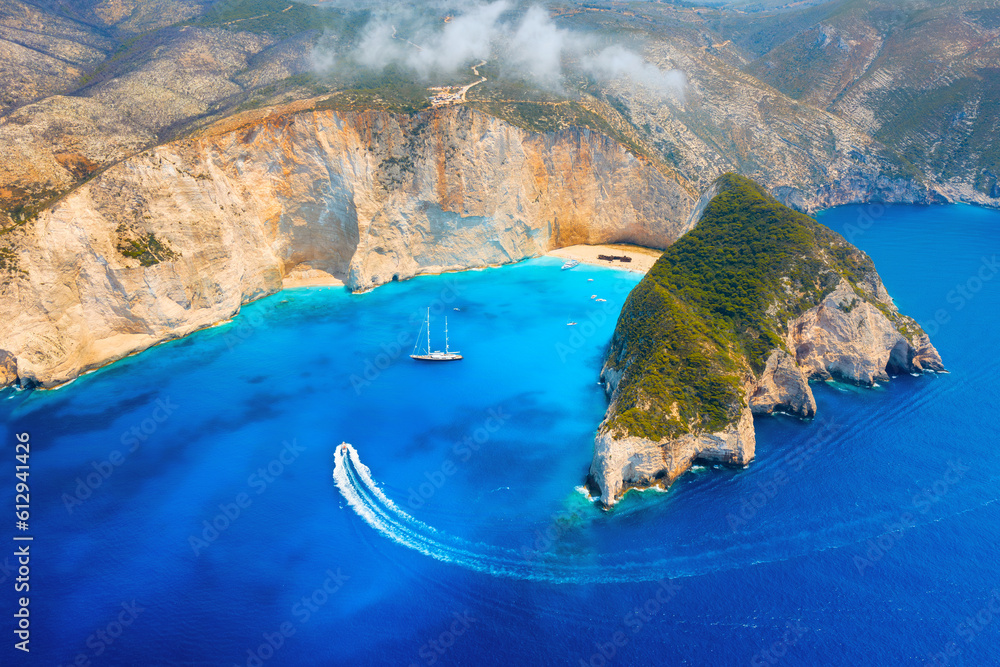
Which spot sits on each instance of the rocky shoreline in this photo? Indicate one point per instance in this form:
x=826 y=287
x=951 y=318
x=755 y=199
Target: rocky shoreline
x=178 y=237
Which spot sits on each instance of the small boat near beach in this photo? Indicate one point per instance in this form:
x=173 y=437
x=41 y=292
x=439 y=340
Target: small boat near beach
x=570 y=263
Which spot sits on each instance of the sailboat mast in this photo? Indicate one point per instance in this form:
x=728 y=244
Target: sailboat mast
x=446 y=334
x=428 y=331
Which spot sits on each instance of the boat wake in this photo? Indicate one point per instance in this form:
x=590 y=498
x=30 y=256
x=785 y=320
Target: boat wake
x=355 y=482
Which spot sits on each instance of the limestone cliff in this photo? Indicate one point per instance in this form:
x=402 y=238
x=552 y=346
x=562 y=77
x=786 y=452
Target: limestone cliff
x=623 y=462
x=849 y=338
x=178 y=237
x=734 y=320
x=783 y=387
x=8 y=368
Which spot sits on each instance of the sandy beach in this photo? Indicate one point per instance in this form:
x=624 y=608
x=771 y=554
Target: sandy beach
x=310 y=278
x=642 y=258
x=642 y=261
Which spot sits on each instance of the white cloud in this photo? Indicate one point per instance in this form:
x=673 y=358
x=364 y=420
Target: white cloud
x=530 y=46
x=616 y=62
x=469 y=36
x=536 y=47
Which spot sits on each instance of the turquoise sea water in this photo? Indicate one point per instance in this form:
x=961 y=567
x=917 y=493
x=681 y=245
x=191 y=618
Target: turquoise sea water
x=193 y=485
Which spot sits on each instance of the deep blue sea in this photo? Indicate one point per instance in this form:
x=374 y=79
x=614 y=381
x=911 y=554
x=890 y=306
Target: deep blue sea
x=184 y=510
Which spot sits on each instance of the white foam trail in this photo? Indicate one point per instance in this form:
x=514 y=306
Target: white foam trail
x=355 y=482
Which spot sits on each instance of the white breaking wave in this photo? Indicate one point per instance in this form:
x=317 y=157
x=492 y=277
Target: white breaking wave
x=355 y=482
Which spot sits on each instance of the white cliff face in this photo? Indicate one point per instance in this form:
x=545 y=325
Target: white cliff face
x=925 y=355
x=360 y=197
x=783 y=387
x=463 y=190
x=848 y=338
x=621 y=463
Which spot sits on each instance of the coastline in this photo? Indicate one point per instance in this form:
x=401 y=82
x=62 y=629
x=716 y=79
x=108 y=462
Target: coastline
x=310 y=278
x=642 y=258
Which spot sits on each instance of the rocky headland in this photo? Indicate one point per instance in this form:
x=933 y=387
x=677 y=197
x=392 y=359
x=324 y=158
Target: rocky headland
x=734 y=320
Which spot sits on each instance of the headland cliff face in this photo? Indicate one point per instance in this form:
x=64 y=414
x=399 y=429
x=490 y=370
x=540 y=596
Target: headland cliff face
x=734 y=320
x=176 y=238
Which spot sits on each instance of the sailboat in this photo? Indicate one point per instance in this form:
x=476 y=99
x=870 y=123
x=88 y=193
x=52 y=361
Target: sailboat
x=436 y=355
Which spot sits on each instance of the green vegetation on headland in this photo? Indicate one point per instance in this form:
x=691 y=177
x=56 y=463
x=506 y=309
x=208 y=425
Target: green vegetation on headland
x=714 y=306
